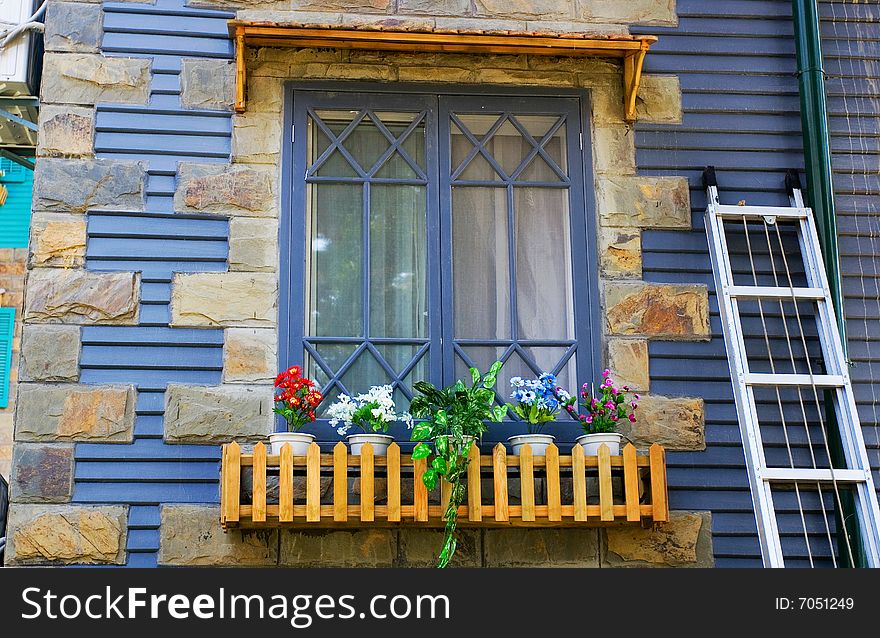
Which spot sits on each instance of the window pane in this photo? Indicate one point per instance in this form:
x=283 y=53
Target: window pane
x=334 y=297
x=544 y=302
x=481 y=276
x=398 y=261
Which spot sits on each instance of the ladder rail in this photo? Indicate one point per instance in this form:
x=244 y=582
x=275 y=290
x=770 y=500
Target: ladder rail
x=857 y=473
x=753 y=448
x=845 y=408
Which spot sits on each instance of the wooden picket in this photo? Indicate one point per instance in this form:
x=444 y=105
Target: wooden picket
x=630 y=488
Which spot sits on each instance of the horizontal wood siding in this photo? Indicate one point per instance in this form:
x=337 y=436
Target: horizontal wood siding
x=157 y=243
x=735 y=62
x=851 y=49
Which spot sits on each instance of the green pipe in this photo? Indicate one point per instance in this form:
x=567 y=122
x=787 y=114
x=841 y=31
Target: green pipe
x=820 y=191
x=817 y=145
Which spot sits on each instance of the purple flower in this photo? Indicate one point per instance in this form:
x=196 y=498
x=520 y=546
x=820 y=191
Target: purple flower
x=632 y=418
x=637 y=397
x=609 y=405
x=589 y=418
x=606 y=373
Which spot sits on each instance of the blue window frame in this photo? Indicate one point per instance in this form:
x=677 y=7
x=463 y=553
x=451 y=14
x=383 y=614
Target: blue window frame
x=424 y=233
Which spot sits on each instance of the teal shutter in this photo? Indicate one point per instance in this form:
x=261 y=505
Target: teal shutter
x=7 y=328
x=15 y=214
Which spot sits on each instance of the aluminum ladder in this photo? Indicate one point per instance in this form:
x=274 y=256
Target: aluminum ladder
x=834 y=380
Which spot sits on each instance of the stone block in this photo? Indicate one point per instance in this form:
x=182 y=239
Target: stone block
x=225 y=190
x=82 y=297
x=73 y=27
x=655 y=12
x=355 y=6
x=368 y=547
x=644 y=202
x=58 y=241
x=620 y=253
x=224 y=299
x=207 y=84
x=628 y=362
x=253 y=245
x=256 y=138
x=526 y=9
x=50 y=353
x=66 y=534
x=191 y=535
x=420 y=548
x=70 y=412
x=250 y=355
x=657 y=311
x=41 y=473
x=90 y=78
x=685 y=541
x=659 y=99
x=218 y=414
x=614 y=150
x=239 y=4
x=77 y=185
x=524 y=78
x=434 y=7
x=540 y=547
x=676 y=423
x=66 y=131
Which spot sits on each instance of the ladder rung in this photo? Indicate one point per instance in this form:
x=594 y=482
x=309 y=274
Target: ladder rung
x=807 y=475
x=770 y=292
x=760 y=211
x=818 y=380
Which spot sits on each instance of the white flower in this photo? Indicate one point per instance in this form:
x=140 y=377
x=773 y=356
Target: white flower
x=342 y=430
x=528 y=396
x=407 y=419
x=516 y=382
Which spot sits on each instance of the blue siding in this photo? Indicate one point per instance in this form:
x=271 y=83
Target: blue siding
x=735 y=61
x=736 y=67
x=741 y=113
x=852 y=63
x=157 y=243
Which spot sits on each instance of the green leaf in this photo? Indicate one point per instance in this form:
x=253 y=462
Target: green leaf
x=498 y=413
x=495 y=368
x=421 y=451
x=421 y=431
x=441 y=418
x=489 y=380
x=475 y=375
x=439 y=464
x=429 y=478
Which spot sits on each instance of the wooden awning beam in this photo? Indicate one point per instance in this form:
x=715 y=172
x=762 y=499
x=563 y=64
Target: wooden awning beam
x=632 y=49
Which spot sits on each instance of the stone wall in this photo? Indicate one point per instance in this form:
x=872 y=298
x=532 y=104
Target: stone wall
x=191 y=536
x=53 y=410
x=63 y=295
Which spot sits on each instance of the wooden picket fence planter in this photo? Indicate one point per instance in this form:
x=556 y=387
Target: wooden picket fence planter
x=644 y=489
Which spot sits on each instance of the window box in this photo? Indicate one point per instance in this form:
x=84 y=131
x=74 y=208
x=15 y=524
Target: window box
x=553 y=489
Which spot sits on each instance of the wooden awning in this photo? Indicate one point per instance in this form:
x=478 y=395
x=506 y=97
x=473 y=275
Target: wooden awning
x=384 y=37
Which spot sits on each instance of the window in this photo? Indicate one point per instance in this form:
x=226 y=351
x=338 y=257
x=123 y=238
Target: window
x=429 y=233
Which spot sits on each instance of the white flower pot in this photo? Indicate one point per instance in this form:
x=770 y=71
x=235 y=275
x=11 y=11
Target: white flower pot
x=538 y=443
x=380 y=443
x=591 y=443
x=299 y=441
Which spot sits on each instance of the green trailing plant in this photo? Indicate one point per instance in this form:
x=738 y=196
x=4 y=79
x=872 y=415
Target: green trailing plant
x=453 y=417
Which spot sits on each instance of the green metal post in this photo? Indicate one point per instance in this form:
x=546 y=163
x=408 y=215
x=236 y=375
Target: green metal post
x=820 y=190
x=817 y=145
